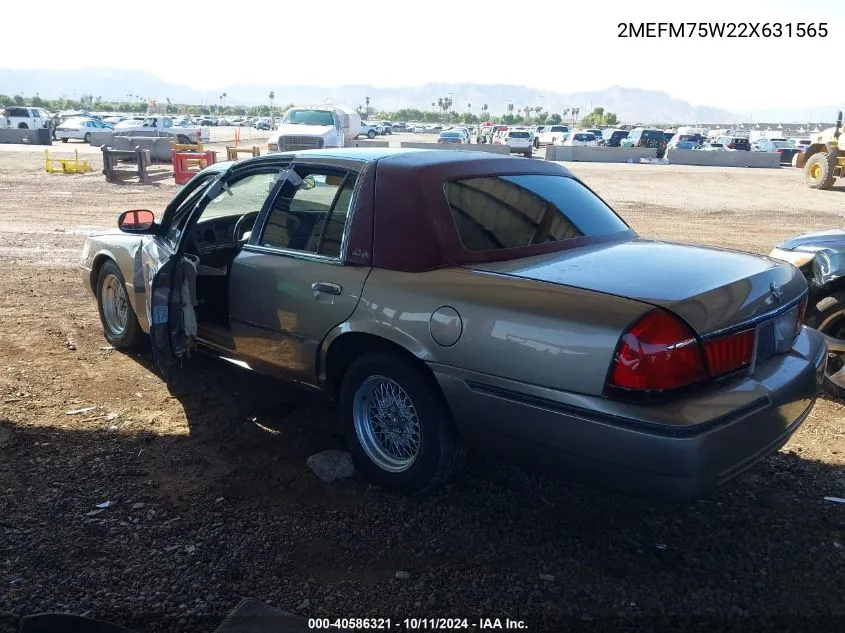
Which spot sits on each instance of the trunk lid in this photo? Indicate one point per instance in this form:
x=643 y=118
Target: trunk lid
x=710 y=288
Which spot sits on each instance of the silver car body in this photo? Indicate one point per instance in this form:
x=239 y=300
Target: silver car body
x=519 y=347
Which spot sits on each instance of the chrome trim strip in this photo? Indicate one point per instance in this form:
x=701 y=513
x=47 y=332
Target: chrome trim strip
x=288 y=252
x=755 y=321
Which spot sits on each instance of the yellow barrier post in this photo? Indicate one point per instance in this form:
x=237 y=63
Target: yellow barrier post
x=68 y=165
x=232 y=152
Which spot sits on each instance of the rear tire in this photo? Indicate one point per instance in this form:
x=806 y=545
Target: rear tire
x=371 y=134
x=120 y=323
x=385 y=397
x=828 y=317
x=87 y=138
x=528 y=154
x=818 y=171
x=64 y=140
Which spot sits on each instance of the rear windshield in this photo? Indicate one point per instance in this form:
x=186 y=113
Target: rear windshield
x=687 y=137
x=502 y=212
x=519 y=135
x=585 y=137
x=450 y=135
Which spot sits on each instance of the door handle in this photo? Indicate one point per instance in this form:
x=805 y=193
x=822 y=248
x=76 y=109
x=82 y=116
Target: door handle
x=327 y=287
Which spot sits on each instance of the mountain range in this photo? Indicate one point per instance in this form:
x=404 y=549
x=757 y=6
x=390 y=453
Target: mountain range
x=629 y=104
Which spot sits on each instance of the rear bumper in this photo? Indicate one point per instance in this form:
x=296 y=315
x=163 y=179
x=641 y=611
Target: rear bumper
x=679 y=451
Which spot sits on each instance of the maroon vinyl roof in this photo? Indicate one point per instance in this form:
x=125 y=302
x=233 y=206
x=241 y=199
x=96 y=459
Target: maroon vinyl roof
x=412 y=225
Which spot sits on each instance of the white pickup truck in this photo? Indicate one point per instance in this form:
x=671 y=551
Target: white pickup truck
x=551 y=135
x=25 y=118
x=157 y=125
x=369 y=130
x=315 y=127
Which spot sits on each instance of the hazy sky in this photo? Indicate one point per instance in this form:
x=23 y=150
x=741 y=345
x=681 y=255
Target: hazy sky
x=551 y=45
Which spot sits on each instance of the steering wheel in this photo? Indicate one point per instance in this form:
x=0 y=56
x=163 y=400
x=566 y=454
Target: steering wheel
x=241 y=225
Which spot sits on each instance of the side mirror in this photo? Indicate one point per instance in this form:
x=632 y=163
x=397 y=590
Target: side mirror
x=136 y=221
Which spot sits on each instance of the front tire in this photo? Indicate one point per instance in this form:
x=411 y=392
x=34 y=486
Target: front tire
x=398 y=426
x=86 y=138
x=818 y=171
x=120 y=323
x=828 y=317
x=371 y=134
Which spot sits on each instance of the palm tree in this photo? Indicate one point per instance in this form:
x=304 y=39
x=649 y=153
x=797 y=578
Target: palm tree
x=484 y=111
x=510 y=108
x=527 y=110
x=538 y=110
x=469 y=107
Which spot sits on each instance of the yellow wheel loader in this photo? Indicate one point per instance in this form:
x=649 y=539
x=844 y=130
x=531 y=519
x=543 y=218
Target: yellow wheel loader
x=824 y=161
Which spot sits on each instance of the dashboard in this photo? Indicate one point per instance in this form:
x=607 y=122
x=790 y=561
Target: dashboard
x=214 y=234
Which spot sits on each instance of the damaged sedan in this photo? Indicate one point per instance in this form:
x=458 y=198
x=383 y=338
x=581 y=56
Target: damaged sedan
x=451 y=300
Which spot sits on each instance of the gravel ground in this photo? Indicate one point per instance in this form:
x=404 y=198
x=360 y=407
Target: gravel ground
x=212 y=499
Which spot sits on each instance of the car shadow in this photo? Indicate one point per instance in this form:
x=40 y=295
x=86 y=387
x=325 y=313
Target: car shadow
x=221 y=400
x=232 y=499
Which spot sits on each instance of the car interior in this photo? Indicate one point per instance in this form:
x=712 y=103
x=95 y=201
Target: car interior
x=295 y=222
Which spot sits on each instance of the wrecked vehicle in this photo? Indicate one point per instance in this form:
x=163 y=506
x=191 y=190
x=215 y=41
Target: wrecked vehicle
x=820 y=256
x=452 y=299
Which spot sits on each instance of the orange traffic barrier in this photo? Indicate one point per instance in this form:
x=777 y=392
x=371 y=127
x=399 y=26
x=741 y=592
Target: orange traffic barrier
x=183 y=161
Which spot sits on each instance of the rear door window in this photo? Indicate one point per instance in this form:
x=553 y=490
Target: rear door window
x=312 y=216
x=503 y=212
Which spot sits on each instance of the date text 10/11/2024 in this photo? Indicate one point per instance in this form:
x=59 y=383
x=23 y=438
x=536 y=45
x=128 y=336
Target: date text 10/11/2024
x=722 y=29
x=417 y=624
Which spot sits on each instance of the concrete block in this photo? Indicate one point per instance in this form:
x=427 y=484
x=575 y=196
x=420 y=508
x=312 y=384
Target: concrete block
x=99 y=138
x=598 y=154
x=368 y=143
x=723 y=159
x=474 y=147
x=159 y=146
x=30 y=137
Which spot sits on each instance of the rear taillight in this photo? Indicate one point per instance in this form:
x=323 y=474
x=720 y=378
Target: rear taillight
x=730 y=145
x=779 y=151
x=802 y=312
x=657 y=353
x=729 y=353
x=661 y=353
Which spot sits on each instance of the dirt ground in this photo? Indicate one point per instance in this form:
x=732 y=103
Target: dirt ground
x=212 y=498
